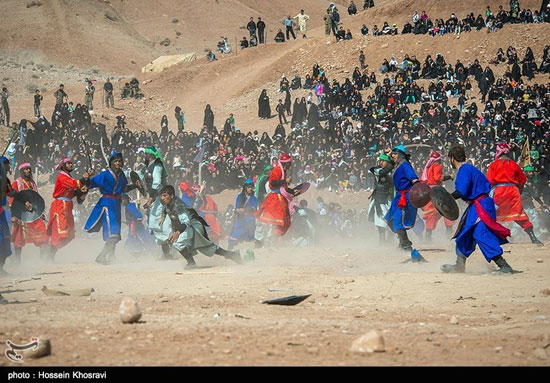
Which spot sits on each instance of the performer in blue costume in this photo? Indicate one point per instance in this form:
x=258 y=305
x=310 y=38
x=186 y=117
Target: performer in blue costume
x=139 y=238
x=478 y=223
x=106 y=213
x=245 y=222
x=402 y=215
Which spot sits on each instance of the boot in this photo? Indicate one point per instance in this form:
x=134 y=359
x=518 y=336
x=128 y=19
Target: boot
x=111 y=258
x=504 y=267
x=48 y=254
x=404 y=242
x=381 y=235
x=166 y=252
x=533 y=237
x=102 y=257
x=416 y=257
x=235 y=256
x=458 y=267
x=17 y=256
x=189 y=258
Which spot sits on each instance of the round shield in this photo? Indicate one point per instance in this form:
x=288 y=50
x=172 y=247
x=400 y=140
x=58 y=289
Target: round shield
x=19 y=210
x=419 y=195
x=302 y=188
x=444 y=203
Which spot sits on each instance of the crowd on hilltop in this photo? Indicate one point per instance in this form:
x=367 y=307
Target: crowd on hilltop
x=491 y=21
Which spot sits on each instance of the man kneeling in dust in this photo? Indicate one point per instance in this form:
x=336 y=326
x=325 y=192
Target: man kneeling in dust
x=175 y=225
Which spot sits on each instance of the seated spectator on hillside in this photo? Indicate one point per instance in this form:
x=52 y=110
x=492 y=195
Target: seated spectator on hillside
x=364 y=30
x=284 y=85
x=253 y=41
x=408 y=28
x=368 y=4
x=375 y=31
x=352 y=9
x=296 y=82
x=341 y=34
x=244 y=43
x=348 y=35
x=280 y=37
x=308 y=82
x=211 y=56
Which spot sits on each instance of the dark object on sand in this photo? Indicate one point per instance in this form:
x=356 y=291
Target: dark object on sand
x=291 y=300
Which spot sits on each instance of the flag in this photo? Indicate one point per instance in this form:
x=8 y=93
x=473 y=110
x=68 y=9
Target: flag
x=525 y=158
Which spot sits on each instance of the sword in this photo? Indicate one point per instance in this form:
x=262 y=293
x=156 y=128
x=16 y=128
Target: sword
x=103 y=151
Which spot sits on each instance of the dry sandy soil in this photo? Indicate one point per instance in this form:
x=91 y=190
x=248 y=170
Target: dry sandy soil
x=214 y=315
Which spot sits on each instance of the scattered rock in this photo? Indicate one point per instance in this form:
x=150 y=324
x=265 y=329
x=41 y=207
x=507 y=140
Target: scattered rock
x=453 y=320
x=373 y=341
x=540 y=317
x=175 y=20
x=110 y=15
x=497 y=349
x=384 y=45
x=129 y=311
x=165 y=42
x=545 y=292
x=164 y=299
x=44 y=349
x=540 y=353
x=540 y=261
x=34 y=4
x=336 y=296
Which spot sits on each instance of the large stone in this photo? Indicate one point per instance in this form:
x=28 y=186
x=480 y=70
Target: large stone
x=44 y=349
x=372 y=341
x=129 y=311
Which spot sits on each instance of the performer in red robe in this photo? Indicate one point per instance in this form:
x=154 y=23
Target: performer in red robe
x=27 y=232
x=61 y=222
x=507 y=180
x=274 y=210
x=433 y=176
x=208 y=209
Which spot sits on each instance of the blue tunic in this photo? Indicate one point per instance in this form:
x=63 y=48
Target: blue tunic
x=139 y=239
x=107 y=212
x=245 y=225
x=402 y=219
x=471 y=183
x=5 y=237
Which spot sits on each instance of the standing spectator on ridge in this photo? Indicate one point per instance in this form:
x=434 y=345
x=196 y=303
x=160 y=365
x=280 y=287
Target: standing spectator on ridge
x=289 y=25
x=251 y=26
x=4 y=97
x=261 y=28
x=60 y=95
x=109 y=99
x=334 y=19
x=37 y=98
x=328 y=23
x=302 y=22
x=89 y=95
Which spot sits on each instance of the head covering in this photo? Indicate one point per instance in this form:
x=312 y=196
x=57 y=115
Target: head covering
x=63 y=161
x=434 y=157
x=24 y=166
x=529 y=168
x=156 y=153
x=115 y=156
x=384 y=157
x=5 y=160
x=502 y=148
x=186 y=188
x=285 y=158
x=249 y=182
x=400 y=149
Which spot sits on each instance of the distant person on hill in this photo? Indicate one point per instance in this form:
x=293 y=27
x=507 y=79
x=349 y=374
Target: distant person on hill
x=289 y=25
x=261 y=28
x=328 y=22
x=109 y=99
x=302 y=22
x=208 y=117
x=348 y=35
x=264 y=110
x=281 y=111
x=352 y=9
x=244 y=43
x=368 y=4
x=60 y=95
x=364 y=30
x=4 y=105
x=37 y=99
x=251 y=26
x=280 y=37
x=334 y=19
x=253 y=41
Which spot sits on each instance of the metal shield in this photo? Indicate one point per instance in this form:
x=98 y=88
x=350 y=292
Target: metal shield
x=444 y=203
x=135 y=177
x=419 y=195
x=19 y=210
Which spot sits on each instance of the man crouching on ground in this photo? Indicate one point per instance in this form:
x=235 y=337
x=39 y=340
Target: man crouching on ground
x=175 y=225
